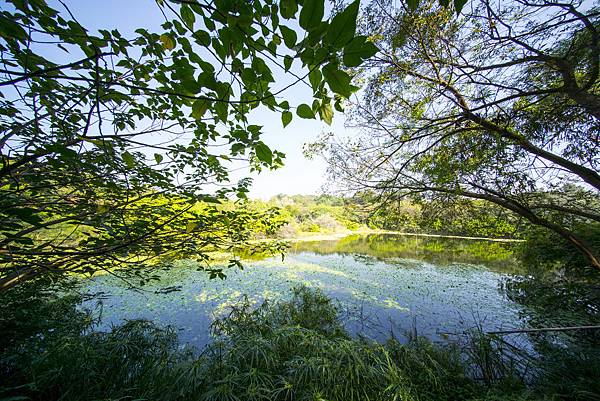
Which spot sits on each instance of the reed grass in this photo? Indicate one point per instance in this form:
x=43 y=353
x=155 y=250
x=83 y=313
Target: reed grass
x=294 y=350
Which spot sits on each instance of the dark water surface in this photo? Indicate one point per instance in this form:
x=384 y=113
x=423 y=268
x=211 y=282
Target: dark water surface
x=386 y=285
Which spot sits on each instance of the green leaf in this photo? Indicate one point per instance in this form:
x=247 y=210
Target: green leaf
x=459 y=4
x=286 y=118
x=312 y=14
x=413 y=4
x=343 y=26
x=27 y=214
x=190 y=226
x=326 y=113
x=10 y=29
x=289 y=36
x=358 y=50
x=315 y=77
x=209 y=24
x=238 y=148
x=158 y=157
x=222 y=111
x=399 y=39
x=263 y=153
x=128 y=159
x=167 y=41
x=199 y=108
x=191 y=86
x=338 y=80
x=287 y=62
x=304 y=111
x=202 y=37
x=188 y=16
x=288 y=8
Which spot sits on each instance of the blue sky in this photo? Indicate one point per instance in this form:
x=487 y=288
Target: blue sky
x=299 y=175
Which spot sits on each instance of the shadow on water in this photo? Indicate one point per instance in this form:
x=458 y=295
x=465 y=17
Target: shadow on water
x=385 y=285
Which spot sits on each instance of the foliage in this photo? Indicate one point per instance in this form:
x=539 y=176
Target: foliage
x=559 y=299
x=329 y=213
x=309 y=213
x=441 y=251
x=560 y=291
x=480 y=106
x=571 y=373
x=568 y=362
x=292 y=350
x=38 y=311
x=125 y=361
x=80 y=111
x=542 y=248
x=454 y=216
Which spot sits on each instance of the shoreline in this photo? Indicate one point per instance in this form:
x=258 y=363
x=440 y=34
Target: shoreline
x=340 y=235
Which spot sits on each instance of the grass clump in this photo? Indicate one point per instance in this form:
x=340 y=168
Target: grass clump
x=301 y=350
x=293 y=350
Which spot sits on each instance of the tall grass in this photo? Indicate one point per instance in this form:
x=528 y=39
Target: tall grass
x=295 y=350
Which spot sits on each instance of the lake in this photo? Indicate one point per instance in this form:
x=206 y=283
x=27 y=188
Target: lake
x=386 y=285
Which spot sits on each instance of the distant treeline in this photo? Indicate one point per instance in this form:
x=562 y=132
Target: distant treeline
x=303 y=214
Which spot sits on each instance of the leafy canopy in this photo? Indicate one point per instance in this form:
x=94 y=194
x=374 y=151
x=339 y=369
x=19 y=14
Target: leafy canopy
x=108 y=142
x=500 y=104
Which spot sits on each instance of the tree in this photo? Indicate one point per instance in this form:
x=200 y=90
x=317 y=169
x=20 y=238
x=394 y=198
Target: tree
x=107 y=149
x=499 y=104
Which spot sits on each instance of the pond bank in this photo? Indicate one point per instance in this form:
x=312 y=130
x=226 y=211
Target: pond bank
x=342 y=234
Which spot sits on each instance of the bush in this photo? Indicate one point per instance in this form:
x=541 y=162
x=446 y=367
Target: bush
x=35 y=312
x=49 y=350
x=299 y=350
x=352 y=225
x=327 y=223
x=310 y=227
x=289 y=350
x=137 y=360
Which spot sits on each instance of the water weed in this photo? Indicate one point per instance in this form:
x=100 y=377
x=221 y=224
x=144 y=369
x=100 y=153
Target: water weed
x=286 y=350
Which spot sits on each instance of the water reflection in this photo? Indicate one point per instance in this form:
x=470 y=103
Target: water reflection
x=437 y=250
x=386 y=285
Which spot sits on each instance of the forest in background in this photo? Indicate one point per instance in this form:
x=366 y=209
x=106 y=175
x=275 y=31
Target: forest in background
x=304 y=214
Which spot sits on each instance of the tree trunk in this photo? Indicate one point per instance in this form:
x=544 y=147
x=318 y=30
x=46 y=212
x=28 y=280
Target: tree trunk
x=584 y=248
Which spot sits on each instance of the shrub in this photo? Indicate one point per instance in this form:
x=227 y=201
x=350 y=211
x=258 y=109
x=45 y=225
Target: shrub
x=310 y=227
x=351 y=225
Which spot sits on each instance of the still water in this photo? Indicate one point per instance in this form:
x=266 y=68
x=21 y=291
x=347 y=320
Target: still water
x=386 y=285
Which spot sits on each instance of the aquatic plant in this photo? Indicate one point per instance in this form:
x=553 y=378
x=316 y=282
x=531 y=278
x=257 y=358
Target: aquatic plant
x=287 y=350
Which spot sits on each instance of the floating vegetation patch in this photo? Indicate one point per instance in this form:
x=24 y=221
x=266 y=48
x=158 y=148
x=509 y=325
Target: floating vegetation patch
x=379 y=295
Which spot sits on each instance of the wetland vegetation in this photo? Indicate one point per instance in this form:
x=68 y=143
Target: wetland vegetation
x=454 y=256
